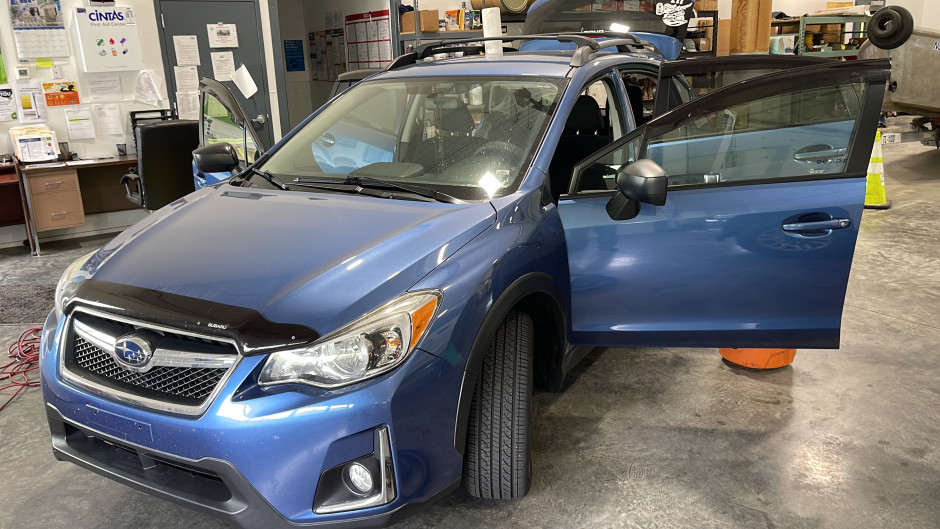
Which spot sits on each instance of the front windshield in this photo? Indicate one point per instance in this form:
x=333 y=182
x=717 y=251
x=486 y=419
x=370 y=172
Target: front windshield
x=665 y=17
x=471 y=138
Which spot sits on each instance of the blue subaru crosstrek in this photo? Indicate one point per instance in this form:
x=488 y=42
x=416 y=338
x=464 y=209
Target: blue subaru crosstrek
x=343 y=332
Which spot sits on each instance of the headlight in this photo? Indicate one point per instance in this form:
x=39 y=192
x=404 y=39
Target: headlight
x=66 y=279
x=369 y=346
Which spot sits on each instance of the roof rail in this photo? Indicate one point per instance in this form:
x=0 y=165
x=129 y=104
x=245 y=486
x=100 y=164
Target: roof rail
x=586 y=43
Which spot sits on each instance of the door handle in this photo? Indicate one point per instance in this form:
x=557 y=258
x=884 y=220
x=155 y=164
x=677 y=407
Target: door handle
x=259 y=120
x=818 y=225
x=819 y=153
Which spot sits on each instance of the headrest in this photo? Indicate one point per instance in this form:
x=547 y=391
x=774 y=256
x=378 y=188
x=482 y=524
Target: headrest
x=457 y=119
x=585 y=117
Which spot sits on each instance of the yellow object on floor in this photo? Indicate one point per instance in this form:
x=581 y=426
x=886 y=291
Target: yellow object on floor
x=875 y=195
x=758 y=358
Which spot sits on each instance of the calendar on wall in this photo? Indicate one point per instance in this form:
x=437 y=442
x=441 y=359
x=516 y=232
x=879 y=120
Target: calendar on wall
x=38 y=29
x=368 y=40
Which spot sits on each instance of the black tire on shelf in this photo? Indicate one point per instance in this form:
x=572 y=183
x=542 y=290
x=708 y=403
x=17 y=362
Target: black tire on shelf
x=497 y=464
x=890 y=27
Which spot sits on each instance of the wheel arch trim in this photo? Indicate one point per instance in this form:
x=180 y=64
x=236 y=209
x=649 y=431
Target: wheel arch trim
x=523 y=287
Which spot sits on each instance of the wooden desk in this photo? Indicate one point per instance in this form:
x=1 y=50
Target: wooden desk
x=60 y=194
x=12 y=206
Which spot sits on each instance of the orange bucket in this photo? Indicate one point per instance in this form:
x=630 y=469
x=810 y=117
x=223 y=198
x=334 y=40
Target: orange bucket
x=758 y=358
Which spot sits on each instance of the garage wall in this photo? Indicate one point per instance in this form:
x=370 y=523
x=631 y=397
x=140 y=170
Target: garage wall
x=294 y=27
x=102 y=145
x=314 y=13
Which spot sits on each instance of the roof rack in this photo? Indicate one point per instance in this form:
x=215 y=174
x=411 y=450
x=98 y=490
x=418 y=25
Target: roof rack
x=587 y=45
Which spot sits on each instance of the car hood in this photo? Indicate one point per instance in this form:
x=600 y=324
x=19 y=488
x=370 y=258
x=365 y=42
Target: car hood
x=313 y=259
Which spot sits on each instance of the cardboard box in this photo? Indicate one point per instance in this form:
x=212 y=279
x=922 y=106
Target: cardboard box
x=705 y=5
x=428 y=20
x=750 y=27
x=724 y=37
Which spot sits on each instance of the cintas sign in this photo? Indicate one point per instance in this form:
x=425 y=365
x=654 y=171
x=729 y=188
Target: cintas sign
x=105 y=16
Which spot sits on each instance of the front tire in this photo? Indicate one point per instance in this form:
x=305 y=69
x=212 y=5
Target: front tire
x=497 y=463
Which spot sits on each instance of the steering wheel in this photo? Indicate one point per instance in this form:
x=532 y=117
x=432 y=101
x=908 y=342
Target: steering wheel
x=503 y=149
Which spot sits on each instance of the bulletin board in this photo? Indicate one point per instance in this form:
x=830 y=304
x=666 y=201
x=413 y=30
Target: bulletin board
x=38 y=29
x=107 y=39
x=327 y=54
x=368 y=40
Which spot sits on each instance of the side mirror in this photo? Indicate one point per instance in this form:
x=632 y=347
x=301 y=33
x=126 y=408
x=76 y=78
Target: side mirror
x=216 y=158
x=641 y=181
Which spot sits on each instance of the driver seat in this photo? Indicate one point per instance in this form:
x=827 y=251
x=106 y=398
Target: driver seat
x=454 y=137
x=583 y=134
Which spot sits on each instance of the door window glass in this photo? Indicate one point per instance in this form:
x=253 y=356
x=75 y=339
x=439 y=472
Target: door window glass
x=792 y=134
x=220 y=127
x=601 y=174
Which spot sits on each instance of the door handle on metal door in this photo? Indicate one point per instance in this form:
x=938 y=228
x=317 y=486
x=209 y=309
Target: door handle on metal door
x=820 y=153
x=819 y=225
x=259 y=120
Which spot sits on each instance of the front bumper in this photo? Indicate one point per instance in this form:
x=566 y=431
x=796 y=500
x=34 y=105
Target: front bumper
x=255 y=457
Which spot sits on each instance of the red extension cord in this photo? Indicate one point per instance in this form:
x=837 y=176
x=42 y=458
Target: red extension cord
x=25 y=358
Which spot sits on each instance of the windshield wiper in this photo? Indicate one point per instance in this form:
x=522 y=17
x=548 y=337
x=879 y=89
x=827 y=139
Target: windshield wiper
x=269 y=177
x=367 y=182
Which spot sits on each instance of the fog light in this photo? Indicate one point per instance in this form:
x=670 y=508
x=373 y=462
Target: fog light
x=360 y=478
x=361 y=483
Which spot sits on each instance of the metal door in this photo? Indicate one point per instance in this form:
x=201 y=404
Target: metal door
x=190 y=17
x=754 y=243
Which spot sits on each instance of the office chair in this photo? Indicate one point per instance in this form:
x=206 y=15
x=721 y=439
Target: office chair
x=164 y=169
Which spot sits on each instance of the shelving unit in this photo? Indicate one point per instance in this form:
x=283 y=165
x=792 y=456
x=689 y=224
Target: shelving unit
x=859 y=21
x=441 y=35
x=702 y=33
x=418 y=36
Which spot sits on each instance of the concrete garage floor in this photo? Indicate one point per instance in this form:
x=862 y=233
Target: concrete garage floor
x=657 y=437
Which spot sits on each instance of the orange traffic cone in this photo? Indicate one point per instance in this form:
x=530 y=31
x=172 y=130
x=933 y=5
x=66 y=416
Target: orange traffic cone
x=875 y=195
x=758 y=358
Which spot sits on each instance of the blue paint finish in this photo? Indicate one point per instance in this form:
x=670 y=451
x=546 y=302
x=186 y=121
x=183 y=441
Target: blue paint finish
x=527 y=238
x=387 y=245
x=730 y=267
x=685 y=273
x=667 y=47
x=297 y=430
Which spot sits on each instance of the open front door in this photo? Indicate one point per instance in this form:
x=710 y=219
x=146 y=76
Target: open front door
x=222 y=120
x=755 y=241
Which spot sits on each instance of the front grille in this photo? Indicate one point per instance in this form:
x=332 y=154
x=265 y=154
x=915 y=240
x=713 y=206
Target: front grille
x=183 y=372
x=181 y=383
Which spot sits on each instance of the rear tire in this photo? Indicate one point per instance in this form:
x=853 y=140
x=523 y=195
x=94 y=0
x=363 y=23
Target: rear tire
x=890 y=27
x=497 y=464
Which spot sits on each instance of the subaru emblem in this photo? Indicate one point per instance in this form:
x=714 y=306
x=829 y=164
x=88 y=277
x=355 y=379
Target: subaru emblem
x=132 y=352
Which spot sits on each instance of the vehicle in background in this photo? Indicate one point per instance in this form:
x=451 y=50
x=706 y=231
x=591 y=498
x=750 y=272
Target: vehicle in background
x=223 y=121
x=662 y=23
x=347 y=79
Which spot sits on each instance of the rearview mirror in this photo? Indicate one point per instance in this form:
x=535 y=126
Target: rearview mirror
x=641 y=181
x=215 y=158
